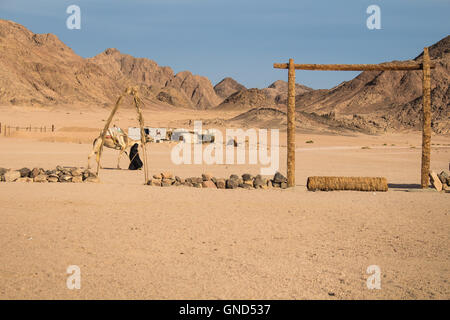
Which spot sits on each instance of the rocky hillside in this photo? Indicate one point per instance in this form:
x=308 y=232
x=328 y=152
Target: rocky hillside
x=38 y=69
x=227 y=87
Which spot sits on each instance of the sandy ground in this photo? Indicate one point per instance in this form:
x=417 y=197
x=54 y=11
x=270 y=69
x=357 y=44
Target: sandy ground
x=135 y=241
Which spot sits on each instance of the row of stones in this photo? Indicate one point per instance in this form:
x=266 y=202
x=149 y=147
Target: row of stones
x=246 y=181
x=59 y=174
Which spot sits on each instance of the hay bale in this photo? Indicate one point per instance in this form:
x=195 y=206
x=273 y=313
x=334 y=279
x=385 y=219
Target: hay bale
x=347 y=183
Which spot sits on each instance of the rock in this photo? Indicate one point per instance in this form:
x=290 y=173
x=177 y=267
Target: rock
x=249 y=182
x=178 y=179
x=92 y=179
x=177 y=184
x=24 y=179
x=11 y=176
x=77 y=179
x=279 y=178
x=195 y=180
x=247 y=177
x=76 y=172
x=188 y=184
x=435 y=182
x=157 y=176
x=166 y=175
x=206 y=176
x=3 y=171
x=232 y=184
x=42 y=178
x=234 y=177
x=24 y=172
x=168 y=181
x=88 y=174
x=269 y=184
x=221 y=183
x=258 y=183
x=443 y=176
x=276 y=184
x=59 y=168
x=197 y=185
x=34 y=173
x=445 y=187
x=156 y=182
x=213 y=179
x=53 y=178
x=283 y=185
x=208 y=184
x=65 y=178
x=245 y=185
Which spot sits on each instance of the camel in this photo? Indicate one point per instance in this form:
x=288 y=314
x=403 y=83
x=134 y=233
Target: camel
x=115 y=139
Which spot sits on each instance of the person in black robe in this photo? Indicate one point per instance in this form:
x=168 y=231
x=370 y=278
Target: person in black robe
x=135 y=160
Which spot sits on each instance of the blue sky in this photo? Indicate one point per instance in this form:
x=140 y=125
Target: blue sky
x=242 y=39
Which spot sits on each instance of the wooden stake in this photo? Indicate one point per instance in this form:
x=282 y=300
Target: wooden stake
x=426 y=130
x=137 y=103
x=105 y=129
x=291 y=125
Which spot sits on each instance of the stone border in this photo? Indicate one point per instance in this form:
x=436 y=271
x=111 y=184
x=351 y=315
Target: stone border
x=59 y=174
x=246 y=181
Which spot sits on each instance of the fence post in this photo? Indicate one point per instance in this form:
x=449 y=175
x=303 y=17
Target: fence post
x=291 y=125
x=426 y=130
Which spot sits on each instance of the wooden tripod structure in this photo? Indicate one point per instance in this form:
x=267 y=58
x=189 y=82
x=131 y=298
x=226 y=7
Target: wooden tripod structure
x=132 y=91
x=425 y=66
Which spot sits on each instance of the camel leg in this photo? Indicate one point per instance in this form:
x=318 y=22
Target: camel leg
x=118 y=159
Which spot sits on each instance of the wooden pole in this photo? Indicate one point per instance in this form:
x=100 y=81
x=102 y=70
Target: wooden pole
x=291 y=125
x=105 y=129
x=393 y=66
x=137 y=103
x=426 y=130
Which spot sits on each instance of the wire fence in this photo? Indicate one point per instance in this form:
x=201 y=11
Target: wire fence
x=7 y=130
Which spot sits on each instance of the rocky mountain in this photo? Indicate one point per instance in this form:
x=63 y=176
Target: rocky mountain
x=387 y=100
x=39 y=69
x=259 y=98
x=227 y=87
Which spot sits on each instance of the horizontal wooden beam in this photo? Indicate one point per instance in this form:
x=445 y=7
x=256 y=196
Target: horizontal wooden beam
x=393 y=66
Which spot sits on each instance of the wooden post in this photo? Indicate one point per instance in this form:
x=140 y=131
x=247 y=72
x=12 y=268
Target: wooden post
x=105 y=129
x=426 y=130
x=291 y=125
x=137 y=102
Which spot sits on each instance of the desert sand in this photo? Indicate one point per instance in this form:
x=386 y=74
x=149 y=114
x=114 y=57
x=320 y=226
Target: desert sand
x=133 y=241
